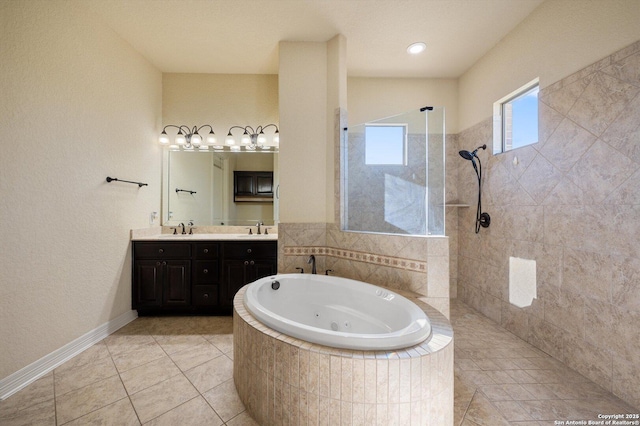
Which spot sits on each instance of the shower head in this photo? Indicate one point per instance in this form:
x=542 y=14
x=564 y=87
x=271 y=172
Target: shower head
x=469 y=155
x=466 y=155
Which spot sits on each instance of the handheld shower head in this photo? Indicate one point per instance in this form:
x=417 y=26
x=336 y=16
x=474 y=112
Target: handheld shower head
x=482 y=219
x=466 y=155
x=469 y=155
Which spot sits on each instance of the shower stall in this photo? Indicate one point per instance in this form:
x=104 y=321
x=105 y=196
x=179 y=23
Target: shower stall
x=393 y=174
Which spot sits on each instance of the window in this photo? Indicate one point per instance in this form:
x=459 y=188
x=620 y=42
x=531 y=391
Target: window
x=515 y=119
x=385 y=144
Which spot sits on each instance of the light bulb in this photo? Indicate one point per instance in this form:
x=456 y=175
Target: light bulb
x=196 y=139
x=211 y=138
x=416 y=48
x=246 y=139
x=262 y=139
x=164 y=138
x=276 y=138
x=180 y=139
x=229 y=140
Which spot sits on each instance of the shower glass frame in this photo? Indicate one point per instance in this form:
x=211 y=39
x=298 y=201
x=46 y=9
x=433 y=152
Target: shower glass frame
x=397 y=199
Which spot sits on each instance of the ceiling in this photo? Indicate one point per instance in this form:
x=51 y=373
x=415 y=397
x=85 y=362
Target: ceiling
x=241 y=36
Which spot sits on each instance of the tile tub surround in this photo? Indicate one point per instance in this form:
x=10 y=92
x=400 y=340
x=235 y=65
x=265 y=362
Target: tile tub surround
x=284 y=380
x=400 y=262
x=571 y=203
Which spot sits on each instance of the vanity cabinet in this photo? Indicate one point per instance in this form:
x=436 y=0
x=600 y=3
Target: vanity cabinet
x=245 y=262
x=162 y=276
x=183 y=277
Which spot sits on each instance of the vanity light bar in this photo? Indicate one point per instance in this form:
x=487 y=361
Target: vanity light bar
x=189 y=138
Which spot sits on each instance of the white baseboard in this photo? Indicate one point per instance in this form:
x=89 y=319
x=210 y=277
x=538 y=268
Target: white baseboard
x=32 y=372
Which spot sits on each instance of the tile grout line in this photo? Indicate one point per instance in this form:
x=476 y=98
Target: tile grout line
x=122 y=382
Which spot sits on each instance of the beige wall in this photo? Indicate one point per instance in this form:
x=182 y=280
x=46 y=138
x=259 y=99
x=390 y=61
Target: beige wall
x=303 y=132
x=571 y=203
x=558 y=38
x=222 y=100
x=78 y=105
x=376 y=98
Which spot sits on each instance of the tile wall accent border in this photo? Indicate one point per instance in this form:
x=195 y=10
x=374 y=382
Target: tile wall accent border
x=376 y=259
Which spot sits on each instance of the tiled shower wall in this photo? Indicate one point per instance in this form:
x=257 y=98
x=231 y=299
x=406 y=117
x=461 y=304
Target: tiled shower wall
x=572 y=203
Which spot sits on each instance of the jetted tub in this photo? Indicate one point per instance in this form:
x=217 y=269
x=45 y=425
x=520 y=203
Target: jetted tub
x=337 y=312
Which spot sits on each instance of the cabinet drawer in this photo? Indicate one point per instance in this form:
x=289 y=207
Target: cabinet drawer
x=162 y=250
x=205 y=250
x=205 y=272
x=250 y=250
x=205 y=295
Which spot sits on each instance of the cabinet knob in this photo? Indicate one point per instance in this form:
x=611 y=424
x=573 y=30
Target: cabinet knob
x=206 y=295
x=248 y=250
x=252 y=262
x=164 y=263
x=161 y=251
x=157 y=263
x=205 y=271
x=206 y=251
x=246 y=262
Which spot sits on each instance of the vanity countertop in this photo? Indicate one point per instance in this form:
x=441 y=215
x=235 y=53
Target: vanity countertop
x=207 y=237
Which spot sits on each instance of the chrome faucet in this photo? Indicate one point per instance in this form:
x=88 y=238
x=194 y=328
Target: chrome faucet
x=183 y=230
x=312 y=262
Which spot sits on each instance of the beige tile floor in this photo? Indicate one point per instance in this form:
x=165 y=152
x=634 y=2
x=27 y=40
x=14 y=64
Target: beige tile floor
x=502 y=380
x=178 y=371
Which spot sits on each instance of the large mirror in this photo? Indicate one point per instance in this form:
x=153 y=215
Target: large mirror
x=199 y=187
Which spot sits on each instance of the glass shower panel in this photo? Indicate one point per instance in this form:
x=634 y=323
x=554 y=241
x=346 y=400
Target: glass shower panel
x=393 y=175
x=435 y=170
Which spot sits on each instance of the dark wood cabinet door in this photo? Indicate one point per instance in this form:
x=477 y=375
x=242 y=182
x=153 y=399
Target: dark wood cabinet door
x=147 y=283
x=244 y=183
x=177 y=280
x=263 y=268
x=264 y=184
x=234 y=276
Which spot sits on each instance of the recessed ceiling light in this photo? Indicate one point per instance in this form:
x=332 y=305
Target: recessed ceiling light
x=416 y=48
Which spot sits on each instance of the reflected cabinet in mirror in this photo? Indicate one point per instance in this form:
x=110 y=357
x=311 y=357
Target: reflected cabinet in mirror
x=200 y=187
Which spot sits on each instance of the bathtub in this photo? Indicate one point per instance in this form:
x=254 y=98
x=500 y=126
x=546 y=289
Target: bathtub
x=337 y=312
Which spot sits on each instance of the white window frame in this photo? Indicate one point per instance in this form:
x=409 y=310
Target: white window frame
x=498 y=115
x=405 y=130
